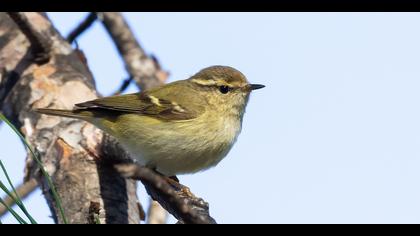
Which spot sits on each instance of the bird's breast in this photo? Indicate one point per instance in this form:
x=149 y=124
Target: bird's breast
x=185 y=147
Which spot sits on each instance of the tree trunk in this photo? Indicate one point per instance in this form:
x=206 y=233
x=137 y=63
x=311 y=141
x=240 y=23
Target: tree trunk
x=72 y=151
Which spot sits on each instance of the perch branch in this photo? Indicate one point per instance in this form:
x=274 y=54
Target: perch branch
x=185 y=207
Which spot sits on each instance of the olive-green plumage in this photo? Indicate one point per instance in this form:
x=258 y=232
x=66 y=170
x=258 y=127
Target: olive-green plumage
x=181 y=127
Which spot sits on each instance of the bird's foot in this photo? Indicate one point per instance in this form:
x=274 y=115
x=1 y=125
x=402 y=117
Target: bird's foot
x=174 y=182
x=185 y=192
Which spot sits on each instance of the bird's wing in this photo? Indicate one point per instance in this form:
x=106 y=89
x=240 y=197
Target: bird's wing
x=160 y=103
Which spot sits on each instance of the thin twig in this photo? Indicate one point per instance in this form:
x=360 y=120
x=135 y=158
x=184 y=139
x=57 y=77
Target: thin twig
x=23 y=190
x=40 y=45
x=143 y=69
x=127 y=82
x=82 y=27
x=183 y=206
x=123 y=86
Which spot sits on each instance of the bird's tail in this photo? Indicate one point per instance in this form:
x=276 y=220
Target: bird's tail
x=84 y=115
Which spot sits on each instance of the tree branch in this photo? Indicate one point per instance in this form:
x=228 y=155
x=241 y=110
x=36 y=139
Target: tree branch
x=23 y=190
x=82 y=27
x=40 y=45
x=183 y=205
x=144 y=70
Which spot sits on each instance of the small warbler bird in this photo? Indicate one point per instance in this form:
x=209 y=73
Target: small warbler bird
x=182 y=127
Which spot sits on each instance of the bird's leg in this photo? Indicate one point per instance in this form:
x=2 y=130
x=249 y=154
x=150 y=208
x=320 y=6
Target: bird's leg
x=174 y=178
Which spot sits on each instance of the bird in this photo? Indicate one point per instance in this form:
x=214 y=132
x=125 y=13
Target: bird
x=181 y=127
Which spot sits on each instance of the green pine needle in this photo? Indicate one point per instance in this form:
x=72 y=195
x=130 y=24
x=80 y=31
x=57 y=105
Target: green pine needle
x=97 y=220
x=13 y=212
x=16 y=198
x=46 y=175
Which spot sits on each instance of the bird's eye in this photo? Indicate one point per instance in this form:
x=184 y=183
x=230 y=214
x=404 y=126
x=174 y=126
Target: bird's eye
x=224 y=89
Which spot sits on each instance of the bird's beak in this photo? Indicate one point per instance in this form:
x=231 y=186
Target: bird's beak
x=256 y=86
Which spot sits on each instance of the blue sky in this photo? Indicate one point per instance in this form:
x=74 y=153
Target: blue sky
x=333 y=138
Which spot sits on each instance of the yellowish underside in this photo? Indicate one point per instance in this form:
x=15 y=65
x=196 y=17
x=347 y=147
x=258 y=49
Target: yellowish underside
x=174 y=148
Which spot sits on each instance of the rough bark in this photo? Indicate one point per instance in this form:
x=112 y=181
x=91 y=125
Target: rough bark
x=176 y=199
x=71 y=150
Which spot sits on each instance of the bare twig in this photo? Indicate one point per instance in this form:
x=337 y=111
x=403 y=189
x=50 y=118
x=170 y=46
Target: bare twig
x=40 y=44
x=124 y=86
x=156 y=214
x=184 y=206
x=144 y=70
x=84 y=25
x=23 y=190
x=127 y=82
